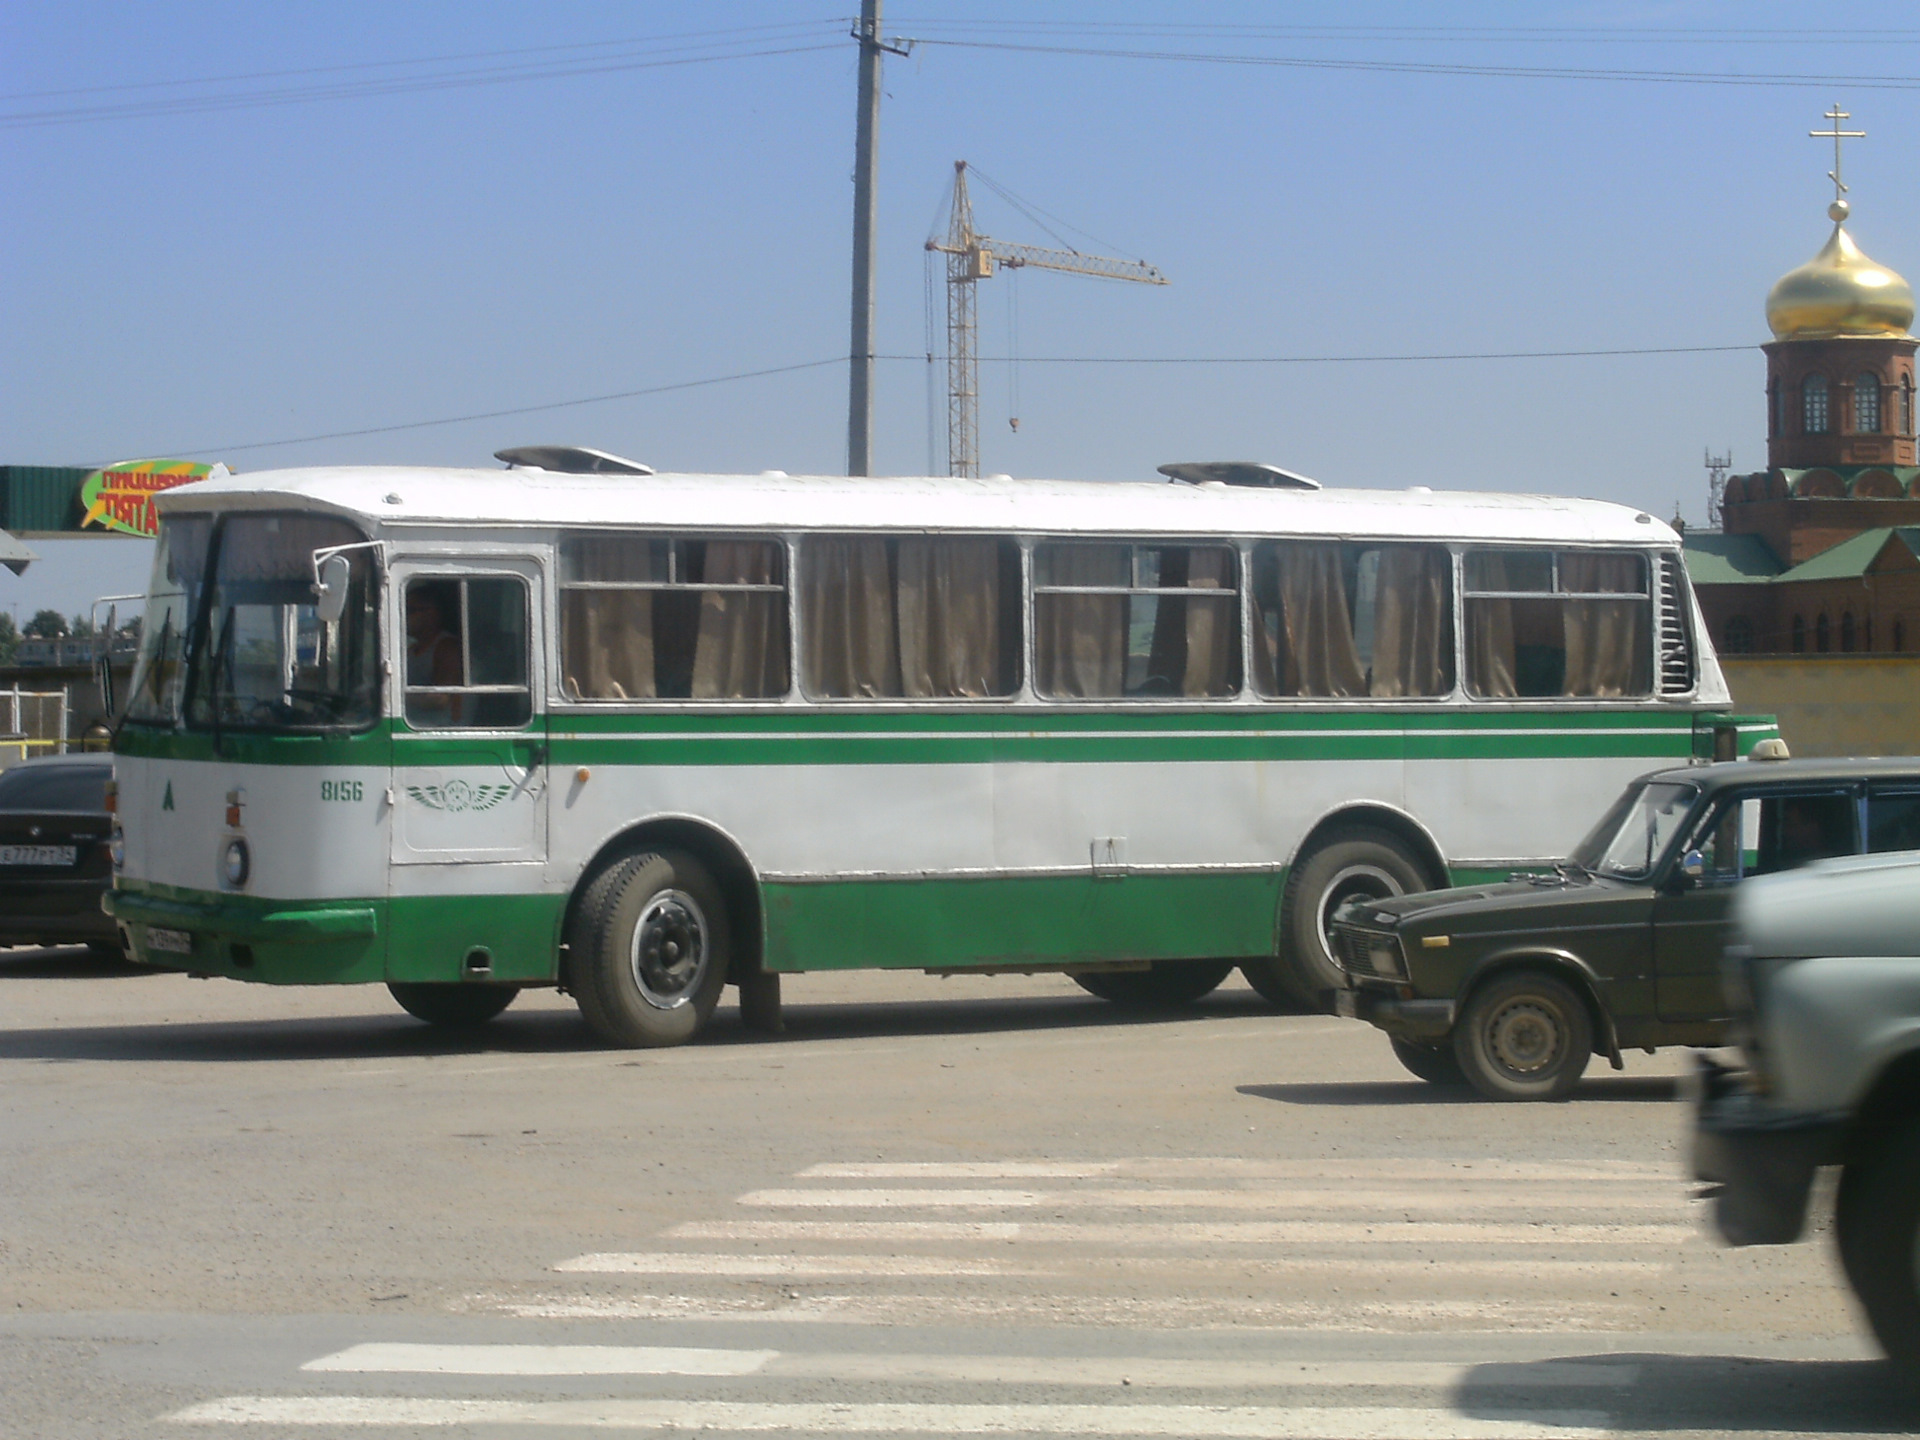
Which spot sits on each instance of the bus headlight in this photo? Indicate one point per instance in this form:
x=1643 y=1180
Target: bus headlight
x=236 y=863
x=117 y=849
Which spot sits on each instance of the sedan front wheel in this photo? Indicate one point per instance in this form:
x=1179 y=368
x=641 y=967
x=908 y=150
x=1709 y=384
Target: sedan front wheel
x=1524 y=1036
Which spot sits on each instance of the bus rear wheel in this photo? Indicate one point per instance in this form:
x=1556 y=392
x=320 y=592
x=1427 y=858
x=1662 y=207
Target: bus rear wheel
x=1164 y=983
x=647 y=957
x=1358 y=863
x=456 y=1007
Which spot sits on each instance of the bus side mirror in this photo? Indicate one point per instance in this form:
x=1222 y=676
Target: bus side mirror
x=330 y=589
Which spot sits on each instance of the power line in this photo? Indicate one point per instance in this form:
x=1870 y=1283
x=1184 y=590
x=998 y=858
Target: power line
x=1341 y=359
x=1416 y=67
x=514 y=410
x=394 y=85
x=921 y=359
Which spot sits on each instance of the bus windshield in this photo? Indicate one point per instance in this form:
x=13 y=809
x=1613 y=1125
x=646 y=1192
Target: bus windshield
x=1633 y=836
x=260 y=656
x=173 y=594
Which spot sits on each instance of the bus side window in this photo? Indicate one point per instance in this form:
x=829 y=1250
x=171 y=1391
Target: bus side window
x=1114 y=621
x=1574 y=623
x=1893 y=820
x=909 y=617
x=467 y=654
x=1340 y=620
x=651 y=617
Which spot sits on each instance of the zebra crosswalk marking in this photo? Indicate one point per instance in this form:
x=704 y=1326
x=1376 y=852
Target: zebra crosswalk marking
x=1200 y=1422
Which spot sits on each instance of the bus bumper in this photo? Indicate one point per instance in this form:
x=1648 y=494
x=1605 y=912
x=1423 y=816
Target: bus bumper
x=309 y=925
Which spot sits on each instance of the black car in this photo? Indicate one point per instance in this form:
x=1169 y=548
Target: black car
x=54 y=857
x=1513 y=988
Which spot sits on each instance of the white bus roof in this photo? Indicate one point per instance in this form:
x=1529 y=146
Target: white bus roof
x=387 y=496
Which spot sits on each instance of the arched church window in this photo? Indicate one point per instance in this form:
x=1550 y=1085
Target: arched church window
x=1906 y=407
x=1813 y=405
x=1822 y=634
x=1775 y=414
x=1799 y=634
x=1866 y=403
x=1739 y=636
x=1846 y=632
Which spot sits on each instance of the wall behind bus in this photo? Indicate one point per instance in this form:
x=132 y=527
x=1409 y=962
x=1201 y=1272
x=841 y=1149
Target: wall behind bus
x=1831 y=705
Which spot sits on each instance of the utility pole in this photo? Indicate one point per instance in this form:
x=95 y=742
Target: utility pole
x=866 y=152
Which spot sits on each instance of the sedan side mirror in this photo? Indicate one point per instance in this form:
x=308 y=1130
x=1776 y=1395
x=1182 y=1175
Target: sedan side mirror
x=1693 y=865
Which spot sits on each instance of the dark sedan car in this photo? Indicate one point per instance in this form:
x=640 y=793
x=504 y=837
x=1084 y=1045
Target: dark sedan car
x=1514 y=987
x=54 y=860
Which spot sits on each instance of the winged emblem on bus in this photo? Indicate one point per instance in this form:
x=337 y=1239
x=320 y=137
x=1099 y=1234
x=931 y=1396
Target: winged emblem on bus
x=459 y=795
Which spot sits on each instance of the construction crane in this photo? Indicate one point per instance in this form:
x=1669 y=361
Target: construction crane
x=972 y=258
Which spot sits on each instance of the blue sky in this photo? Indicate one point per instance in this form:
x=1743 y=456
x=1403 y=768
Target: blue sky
x=200 y=282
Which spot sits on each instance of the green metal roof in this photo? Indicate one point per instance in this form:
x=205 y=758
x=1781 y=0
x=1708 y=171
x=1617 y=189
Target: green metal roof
x=1851 y=559
x=1714 y=558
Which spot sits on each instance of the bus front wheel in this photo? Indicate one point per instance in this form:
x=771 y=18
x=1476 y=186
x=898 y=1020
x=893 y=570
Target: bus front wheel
x=1164 y=983
x=453 y=1006
x=1361 y=863
x=648 y=952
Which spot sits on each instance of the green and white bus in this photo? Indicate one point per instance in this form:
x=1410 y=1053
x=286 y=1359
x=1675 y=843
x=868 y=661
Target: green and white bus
x=643 y=735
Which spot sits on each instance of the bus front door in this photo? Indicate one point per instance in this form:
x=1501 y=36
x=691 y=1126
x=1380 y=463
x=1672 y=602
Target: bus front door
x=469 y=776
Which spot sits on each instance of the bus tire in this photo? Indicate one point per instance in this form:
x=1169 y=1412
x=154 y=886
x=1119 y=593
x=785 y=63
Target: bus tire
x=1877 y=1223
x=1360 y=862
x=1167 y=983
x=1524 y=1036
x=453 y=1007
x=1435 y=1064
x=648 y=956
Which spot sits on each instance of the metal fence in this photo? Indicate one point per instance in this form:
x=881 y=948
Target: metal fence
x=36 y=723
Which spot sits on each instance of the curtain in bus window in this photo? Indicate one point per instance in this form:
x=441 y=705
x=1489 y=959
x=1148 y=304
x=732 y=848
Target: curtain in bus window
x=1209 y=624
x=949 y=618
x=1413 y=622
x=1316 y=654
x=1080 y=641
x=606 y=636
x=741 y=650
x=1609 y=649
x=847 y=594
x=1490 y=643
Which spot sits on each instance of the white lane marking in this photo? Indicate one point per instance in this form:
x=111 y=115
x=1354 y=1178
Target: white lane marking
x=1357 y=1316
x=664 y=1263
x=1223 y=1167
x=1101 y=1370
x=1342 y=1232
x=1253 y=1422
x=1158 y=1372
x=1253 y=1233
x=1317 y=1201
x=396 y=1359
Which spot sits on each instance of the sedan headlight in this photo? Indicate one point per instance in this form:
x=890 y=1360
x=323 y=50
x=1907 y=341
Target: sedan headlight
x=236 y=863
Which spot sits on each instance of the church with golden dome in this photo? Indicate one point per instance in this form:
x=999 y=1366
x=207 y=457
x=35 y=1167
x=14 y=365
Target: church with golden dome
x=1819 y=553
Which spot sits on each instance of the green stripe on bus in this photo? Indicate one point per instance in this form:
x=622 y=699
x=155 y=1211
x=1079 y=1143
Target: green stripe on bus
x=1047 y=920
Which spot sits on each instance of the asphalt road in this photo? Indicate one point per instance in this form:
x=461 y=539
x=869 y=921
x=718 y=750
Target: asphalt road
x=932 y=1207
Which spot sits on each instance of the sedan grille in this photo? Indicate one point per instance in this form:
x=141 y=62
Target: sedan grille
x=1366 y=952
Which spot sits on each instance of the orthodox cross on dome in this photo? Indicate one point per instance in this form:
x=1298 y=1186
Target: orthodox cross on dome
x=1836 y=134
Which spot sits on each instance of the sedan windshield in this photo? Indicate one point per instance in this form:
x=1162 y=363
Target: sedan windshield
x=260 y=656
x=1635 y=834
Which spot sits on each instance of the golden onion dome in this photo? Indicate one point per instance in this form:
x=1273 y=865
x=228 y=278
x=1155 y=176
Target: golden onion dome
x=1839 y=292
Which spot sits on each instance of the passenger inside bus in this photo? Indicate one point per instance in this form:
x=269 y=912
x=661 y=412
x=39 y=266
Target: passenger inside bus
x=433 y=651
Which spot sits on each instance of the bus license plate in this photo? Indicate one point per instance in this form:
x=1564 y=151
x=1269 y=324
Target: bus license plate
x=173 y=942
x=36 y=854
